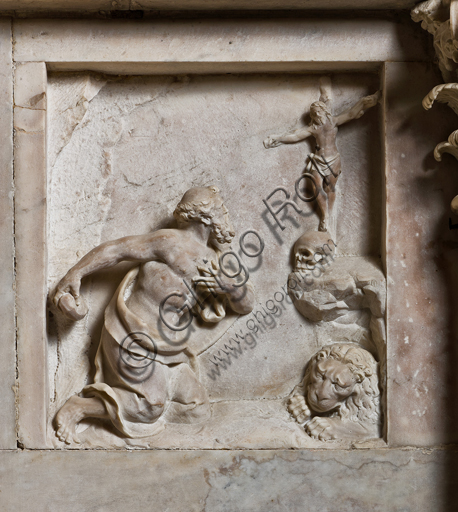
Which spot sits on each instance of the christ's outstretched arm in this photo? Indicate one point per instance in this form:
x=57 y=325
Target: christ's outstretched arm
x=287 y=138
x=358 y=109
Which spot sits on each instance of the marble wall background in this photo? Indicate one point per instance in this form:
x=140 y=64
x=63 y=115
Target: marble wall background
x=89 y=151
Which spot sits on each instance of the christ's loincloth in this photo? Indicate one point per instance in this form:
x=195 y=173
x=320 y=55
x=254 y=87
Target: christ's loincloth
x=323 y=165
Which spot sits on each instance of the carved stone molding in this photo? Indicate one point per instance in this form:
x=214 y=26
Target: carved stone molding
x=114 y=122
x=139 y=5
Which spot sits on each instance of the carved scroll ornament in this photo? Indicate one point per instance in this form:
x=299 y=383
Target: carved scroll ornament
x=445 y=93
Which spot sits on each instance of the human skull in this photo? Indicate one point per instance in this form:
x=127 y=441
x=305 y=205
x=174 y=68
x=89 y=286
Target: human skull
x=311 y=248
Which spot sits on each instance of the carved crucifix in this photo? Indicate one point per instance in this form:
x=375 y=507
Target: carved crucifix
x=324 y=165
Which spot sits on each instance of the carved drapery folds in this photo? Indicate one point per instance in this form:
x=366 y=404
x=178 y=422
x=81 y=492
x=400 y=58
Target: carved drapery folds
x=147 y=374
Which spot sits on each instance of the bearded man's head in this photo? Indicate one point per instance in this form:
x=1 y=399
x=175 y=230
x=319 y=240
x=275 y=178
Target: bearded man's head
x=205 y=205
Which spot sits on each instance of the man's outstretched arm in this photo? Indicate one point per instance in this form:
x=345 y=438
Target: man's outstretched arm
x=358 y=109
x=130 y=248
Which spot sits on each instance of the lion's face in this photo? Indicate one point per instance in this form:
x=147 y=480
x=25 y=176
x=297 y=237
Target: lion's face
x=331 y=383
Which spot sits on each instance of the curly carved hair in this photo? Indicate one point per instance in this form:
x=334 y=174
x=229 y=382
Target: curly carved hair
x=363 y=404
x=203 y=210
x=196 y=210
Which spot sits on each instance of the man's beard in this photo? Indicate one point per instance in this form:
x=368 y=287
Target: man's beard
x=222 y=231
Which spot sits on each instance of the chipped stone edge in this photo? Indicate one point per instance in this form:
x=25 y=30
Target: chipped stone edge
x=7 y=311
x=30 y=83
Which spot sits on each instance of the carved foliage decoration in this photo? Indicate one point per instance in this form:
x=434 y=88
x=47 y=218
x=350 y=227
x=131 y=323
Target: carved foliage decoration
x=444 y=93
x=440 y=18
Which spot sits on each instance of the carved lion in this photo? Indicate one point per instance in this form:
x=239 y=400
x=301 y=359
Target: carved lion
x=339 y=397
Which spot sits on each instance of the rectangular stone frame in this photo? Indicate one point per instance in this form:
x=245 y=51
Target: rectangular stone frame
x=392 y=478
x=30 y=215
x=135 y=5
x=165 y=47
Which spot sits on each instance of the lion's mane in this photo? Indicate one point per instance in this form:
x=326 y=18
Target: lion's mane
x=363 y=405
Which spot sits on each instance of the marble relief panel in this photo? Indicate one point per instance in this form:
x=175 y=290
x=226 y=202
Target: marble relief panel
x=123 y=155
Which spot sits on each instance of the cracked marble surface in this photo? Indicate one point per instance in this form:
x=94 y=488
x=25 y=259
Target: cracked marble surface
x=110 y=174
x=236 y=481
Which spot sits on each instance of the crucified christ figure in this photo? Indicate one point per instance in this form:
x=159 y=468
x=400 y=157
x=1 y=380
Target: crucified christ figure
x=324 y=164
